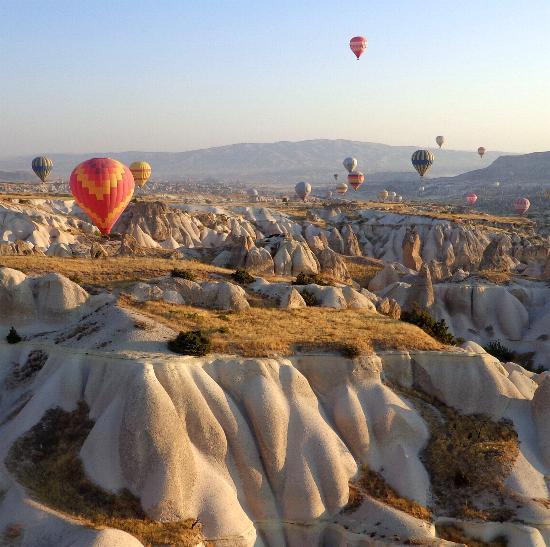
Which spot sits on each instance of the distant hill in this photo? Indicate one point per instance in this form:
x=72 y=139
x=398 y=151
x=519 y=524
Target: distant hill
x=275 y=163
x=15 y=176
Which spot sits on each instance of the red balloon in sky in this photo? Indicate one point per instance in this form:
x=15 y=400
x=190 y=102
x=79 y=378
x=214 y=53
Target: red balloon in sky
x=358 y=45
x=521 y=205
x=471 y=198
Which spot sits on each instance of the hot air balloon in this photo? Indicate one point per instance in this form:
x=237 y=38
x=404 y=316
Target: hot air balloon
x=521 y=205
x=421 y=189
x=342 y=188
x=303 y=189
x=440 y=139
x=329 y=194
x=252 y=192
x=350 y=164
x=335 y=177
x=383 y=195
x=141 y=171
x=42 y=166
x=422 y=160
x=399 y=199
x=496 y=184
x=358 y=44
x=355 y=179
x=481 y=151
x=102 y=187
x=471 y=198
x=392 y=195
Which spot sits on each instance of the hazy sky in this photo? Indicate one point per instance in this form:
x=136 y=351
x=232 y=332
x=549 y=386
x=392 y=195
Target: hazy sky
x=174 y=75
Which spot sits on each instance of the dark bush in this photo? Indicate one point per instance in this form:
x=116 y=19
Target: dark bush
x=190 y=343
x=13 y=337
x=308 y=279
x=498 y=350
x=183 y=274
x=242 y=277
x=437 y=329
x=309 y=298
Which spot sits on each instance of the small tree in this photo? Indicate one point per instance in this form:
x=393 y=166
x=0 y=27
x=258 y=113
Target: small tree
x=190 y=343
x=309 y=298
x=437 y=329
x=13 y=337
x=183 y=274
x=242 y=277
x=499 y=350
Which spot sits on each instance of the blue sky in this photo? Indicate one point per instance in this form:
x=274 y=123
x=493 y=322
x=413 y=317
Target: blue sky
x=85 y=75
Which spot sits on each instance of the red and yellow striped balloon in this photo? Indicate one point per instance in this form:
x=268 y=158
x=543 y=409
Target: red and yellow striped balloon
x=102 y=187
x=141 y=171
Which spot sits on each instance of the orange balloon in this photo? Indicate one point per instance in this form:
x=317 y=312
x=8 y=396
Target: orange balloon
x=102 y=187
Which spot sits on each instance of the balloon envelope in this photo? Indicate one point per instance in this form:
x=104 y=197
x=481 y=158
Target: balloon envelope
x=102 y=187
x=350 y=164
x=392 y=195
x=358 y=44
x=303 y=189
x=521 y=205
x=440 y=139
x=481 y=151
x=141 y=171
x=383 y=194
x=471 y=198
x=252 y=192
x=42 y=166
x=355 y=179
x=342 y=188
x=422 y=160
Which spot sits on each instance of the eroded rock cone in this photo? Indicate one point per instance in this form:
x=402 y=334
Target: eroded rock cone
x=411 y=249
x=421 y=293
x=129 y=246
x=497 y=255
x=389 y=307
x=98 y=251
x=351 y=245
x=333 y=265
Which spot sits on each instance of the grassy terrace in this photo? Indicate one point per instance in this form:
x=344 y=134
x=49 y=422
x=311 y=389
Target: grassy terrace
x=262 y=331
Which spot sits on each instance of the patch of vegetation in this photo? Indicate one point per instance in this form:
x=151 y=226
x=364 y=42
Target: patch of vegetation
x=500 y=351
x=25 y=372
x=12 y=535
x=437 y=329
x=13 y=337
x=76 y=278
x=504 y=354
x=183 y=274
x=468 y=458
x=374 y=485
x=242 y=277
x=452 y=532
x=270 y=331
x=190 y=343
x=309 y=279
x=309 y=298
x=45 y=460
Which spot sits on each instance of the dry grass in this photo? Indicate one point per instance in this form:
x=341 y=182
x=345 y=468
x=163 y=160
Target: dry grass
x=262 y=331
x=456 y=534
x=370 y=483
x=498 y=277
x=362 y=269
x=45 y=460
x=109 y=271
x=468 y=458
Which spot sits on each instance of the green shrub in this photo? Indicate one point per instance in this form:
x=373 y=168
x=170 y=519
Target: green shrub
x=309 y=298
x=183 y=274
x=242 y=277
x=13 y=337
x=437 y=329
x=498 y=350
x=308 y=279
x=190 y=343
x=76 y=278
